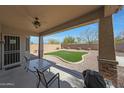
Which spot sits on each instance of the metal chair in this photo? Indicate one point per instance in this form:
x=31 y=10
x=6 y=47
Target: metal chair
x=43 y=80
x=26 y=63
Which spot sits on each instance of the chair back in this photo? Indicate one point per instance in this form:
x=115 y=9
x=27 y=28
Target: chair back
x=41 y=77
x=26 y=59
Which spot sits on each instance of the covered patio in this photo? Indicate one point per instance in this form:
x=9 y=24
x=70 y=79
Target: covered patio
x=19 y=78
x=17 y=23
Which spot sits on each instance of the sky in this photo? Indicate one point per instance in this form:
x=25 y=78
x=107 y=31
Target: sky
x=118 y=25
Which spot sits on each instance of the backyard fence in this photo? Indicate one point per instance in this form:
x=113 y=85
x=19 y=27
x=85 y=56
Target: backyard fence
x=54 y=47
x=80 y=46
x=119 y=47
x=46 y=47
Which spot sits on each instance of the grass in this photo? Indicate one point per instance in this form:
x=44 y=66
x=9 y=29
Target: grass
x=68 y=55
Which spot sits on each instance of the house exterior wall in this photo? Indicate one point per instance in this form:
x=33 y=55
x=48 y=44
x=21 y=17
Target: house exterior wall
x=0 y=49
x=17 y=32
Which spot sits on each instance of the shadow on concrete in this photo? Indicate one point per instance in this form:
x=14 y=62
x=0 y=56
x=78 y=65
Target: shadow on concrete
x=67 y=70
x=63 y=83
x=19 y=78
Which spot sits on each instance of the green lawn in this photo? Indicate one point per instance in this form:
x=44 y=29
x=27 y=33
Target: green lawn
x=68 y=55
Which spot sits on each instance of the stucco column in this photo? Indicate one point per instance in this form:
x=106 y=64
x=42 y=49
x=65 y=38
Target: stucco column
x=107 y=58
x=40 y=50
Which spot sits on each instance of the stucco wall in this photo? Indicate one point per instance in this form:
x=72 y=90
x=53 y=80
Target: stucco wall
x=0 y=49
x=118 y=48
x=46 y=47
x=51 y=47
x=81 y=46
x=34 y=49
x=17 y=32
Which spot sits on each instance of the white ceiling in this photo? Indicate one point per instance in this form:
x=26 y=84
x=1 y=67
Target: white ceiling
x=21 y=16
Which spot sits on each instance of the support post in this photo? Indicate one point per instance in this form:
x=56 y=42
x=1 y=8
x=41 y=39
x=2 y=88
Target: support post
x=40 y=50
x=107 y=59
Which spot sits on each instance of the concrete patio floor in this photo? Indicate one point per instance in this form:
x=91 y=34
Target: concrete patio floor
x=70 y=74
x=19 y=78
x=90 y=62
x=120 y=59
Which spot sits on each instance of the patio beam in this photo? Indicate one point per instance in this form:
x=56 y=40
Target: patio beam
x=80 y=21
x=110 y=9
x=86 y=19
x=107 y=58
x=40 y=47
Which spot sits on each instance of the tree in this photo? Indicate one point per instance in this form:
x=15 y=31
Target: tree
x=78 y=40
x=53 y=41
x=119 y=38
x=69 y=40
x=122 y=35
x=89 y=36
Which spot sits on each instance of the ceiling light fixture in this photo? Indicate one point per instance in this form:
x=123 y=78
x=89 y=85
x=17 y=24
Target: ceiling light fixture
x=36 y=22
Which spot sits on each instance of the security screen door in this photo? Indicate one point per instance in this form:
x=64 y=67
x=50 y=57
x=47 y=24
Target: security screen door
x=11 y=50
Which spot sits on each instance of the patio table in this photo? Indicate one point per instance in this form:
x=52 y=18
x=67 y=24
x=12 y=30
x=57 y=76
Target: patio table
x=41 y=64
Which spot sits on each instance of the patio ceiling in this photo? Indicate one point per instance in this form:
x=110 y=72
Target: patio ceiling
x=21 y=17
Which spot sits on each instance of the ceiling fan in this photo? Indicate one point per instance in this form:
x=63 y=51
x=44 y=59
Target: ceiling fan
x=36 y=22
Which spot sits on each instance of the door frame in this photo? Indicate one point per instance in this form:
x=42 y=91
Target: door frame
x=14 y=64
